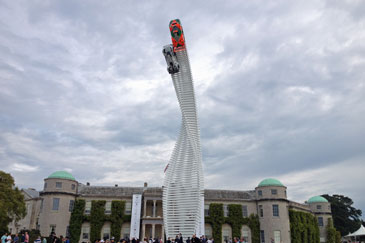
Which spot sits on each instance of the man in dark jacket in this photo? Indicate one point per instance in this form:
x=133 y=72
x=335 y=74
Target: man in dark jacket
x=195 y=239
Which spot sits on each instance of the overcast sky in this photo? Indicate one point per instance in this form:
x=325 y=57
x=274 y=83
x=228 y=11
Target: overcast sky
x=280 y=89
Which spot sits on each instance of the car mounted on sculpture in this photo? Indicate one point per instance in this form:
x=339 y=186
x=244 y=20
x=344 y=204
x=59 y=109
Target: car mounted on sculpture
x=177 y=35
x=171 y=60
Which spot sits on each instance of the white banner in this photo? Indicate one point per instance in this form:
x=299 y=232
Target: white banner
x=136 y=216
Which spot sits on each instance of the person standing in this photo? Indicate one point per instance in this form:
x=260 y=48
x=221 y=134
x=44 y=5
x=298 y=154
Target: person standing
x=8 y=239
x=195 y=239
x=4 y=237
x=188 y=240
x=44 y=240
x=181 y=238
x=38 y=240
x=16 y=238
x=26 y=239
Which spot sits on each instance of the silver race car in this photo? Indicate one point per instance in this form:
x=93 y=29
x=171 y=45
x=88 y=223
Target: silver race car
x=171 y=60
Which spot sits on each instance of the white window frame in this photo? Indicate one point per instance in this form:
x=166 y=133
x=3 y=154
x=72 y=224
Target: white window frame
x=59 y=184
x=244 y=211
x=87 y=207
x=277 y=236
x=277 y=211
x=108 y=207
x=58 y=200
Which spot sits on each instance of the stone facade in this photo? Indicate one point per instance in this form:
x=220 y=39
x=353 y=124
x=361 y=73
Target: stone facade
x=50 y=209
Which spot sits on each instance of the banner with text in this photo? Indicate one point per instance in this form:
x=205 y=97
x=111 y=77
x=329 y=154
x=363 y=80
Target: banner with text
x=136 y=216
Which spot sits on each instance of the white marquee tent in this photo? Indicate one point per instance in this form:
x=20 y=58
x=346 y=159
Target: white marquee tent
x=357 y=233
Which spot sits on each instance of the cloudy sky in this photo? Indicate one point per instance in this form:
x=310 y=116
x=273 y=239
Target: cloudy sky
x=279 y=86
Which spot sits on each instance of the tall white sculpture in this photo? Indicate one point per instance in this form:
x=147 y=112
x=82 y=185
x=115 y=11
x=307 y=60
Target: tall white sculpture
x=183 y=191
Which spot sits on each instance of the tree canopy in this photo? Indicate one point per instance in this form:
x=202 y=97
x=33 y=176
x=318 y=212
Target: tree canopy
x=346 y=218
x=12 y=205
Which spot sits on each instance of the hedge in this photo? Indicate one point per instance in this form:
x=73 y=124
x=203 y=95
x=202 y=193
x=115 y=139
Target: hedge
x=97 y=218
x=235 y=219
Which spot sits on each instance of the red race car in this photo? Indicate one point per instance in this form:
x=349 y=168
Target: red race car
x=177 y=35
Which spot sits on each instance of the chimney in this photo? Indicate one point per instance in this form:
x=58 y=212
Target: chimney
x=88 y=183
x=145 y=184
x=116 y=185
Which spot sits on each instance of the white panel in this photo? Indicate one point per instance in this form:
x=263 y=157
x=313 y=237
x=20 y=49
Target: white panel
x=136 y=216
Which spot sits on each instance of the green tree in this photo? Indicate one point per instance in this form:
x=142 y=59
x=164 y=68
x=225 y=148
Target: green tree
x=12 y=205
x=346 y=218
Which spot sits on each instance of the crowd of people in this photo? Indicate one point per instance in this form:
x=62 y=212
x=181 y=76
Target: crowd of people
x=177 y=239
x=24 y=238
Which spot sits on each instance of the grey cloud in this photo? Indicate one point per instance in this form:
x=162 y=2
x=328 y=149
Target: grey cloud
x=85 y=87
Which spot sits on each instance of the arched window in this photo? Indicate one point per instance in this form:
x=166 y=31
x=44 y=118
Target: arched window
x=246 y=233
x=226 y=233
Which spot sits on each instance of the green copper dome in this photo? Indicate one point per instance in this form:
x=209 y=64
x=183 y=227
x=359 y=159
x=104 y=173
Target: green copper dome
x=62 y=175
x=317 y=199
x=270 y=182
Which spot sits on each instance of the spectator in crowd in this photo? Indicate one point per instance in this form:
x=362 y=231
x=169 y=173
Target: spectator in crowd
x=26 y=239
x=44 y=240
x=8 y=239
x=38 y=240
x=188 y=240
x=16 y=238
x=4 y=237
x=22 y=238
x=195 y=239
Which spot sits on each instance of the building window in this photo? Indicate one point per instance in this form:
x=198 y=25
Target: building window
x=206 y=209
x=225 y=210
x=128 y=208
x=262 y=236
x=261 y=211
x=274 y=192
x=71 y=206
x=320 y=221
x=277 y=236
x=45 y=185
x=126 y=232
x=73 y=187
x=244 y=211
x=108 y=207
x=85 y=233
x=106 y=233
x=208 y=232
x=275 y=210
x=41 y=207
x=52 y=228
x=245 y=235
x=226 y=235
x=87 y=207
x=319 y=207
x=56 y=204
x=68 y=231
x=58 y=184
x=260 y=193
